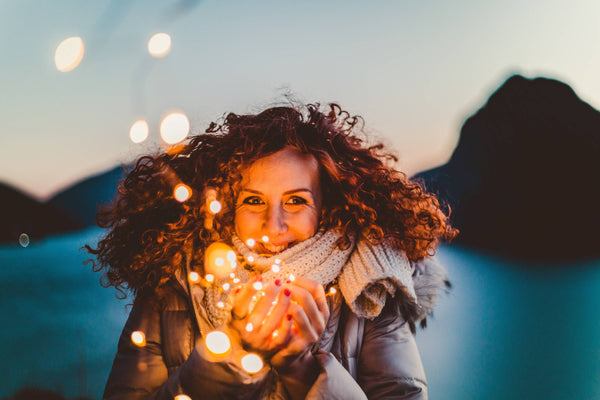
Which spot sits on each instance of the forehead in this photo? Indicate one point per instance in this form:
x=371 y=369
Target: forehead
x=286 y=169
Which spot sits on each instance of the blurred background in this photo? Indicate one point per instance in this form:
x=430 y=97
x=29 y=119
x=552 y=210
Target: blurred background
x=87 y=86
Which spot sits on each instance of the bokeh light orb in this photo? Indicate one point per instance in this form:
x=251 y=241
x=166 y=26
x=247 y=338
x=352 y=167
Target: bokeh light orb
x=159 y=45
x=252 y=363
x=215 y=258
x=217 y=342
x=24 y=240
x=214 y=206
x=138 y=338
x=139 y=131
x=182 y=397
x=174 y=128
x=182 y=192
x=69 y=54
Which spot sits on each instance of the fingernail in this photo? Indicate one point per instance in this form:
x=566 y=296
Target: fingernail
x=237 y=290
x=289 y=317
x=288 y=281
x=287 y=292
x=278 y=282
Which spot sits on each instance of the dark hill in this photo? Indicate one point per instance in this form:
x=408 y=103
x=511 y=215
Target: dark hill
x=19 y=213
x=81 y=201
x=524 y=179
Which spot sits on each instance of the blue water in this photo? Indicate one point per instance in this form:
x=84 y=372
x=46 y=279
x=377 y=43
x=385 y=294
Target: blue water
x=505 y=331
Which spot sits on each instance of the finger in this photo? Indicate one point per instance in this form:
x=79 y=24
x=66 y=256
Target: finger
x=242 y=298
x=317 y=292
x=304 y=329
x=283 y=334
x=263 y=306
x=279 y=309
x=305 y=300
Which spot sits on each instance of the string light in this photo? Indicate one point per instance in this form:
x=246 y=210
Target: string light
x=219 y=262
x=220 y=304
x=214 y=206
x=277 y=261
x=291 y=278
x=194 y=277
x=217 y=342
x=257 y=285
x=159 y=45
x=138 y=338
x=231 y=257
x=250 y=259
x=182 y=192
x=252 y=363
x=174 y=128
x=182 y=397
x=332 y=290
x=265 y=239
x=249 y=327
x=209 y=277
x=214 y=260
x=24 y=240
x=139 y=131
x=69 y=54
x=226 y=286
x=232 y=275
x=251 y=242
x=275 y=268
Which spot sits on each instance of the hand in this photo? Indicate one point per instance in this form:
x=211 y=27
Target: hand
x=265 y=328
x=309 y=313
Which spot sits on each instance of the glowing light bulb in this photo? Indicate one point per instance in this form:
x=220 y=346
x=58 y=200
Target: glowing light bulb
x=209 y=277
x=277 y=261
x=275 y=334
x=236 y=280
x=232 y=275
x=257 y=285
x=220 y=304
x=231 y=257
x=226 y=286
x=159 y=45
x=174 y=128
x=138 y=338
x=182 y=192
x=252 y=363
x=265 y=239
x=24 y=240
x=249 y=327
x=275 y=268
x=214 y=206
x=291 y=277
x=182 y=397
x=250 y=258
x=139 y=131
x=250 y=242
x=194 y=276
x=332 y=290
x=214 y=260
x=69 y=54
x=218 y=342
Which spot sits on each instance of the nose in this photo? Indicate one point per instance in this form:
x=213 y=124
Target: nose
x=275 y=223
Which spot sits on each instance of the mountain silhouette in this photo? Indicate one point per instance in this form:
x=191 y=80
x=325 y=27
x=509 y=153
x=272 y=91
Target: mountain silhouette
x=21 y=213
x=81 y=201
x=523 y=179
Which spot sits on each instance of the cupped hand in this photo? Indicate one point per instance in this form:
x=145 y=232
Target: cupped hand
x=265 y=327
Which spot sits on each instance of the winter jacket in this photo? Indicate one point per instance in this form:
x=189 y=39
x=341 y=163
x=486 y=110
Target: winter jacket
x=358 y=358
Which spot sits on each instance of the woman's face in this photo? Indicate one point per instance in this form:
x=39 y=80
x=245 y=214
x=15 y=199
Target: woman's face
x=280 y=198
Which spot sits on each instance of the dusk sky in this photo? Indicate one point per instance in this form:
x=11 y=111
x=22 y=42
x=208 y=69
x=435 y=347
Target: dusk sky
x=413 y=69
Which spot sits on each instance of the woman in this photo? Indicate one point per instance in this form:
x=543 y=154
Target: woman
x=329 y=277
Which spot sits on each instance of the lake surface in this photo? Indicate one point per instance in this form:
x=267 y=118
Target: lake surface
x=504 y=331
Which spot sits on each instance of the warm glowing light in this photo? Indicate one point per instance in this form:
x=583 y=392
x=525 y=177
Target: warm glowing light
x=250 y=258
x=226 y=286
x=257 y=285
x=275 y=334
x=182 y=192
x=252 y=363
x=138 y=338
x=182 y=397
x=265 y=239
x=159 y=45
x=275 y=268
x=194 y=276
x=236 y=280
x=139 y=131
x=250 y=242
x=214 y=260
x=232 y=275
x=24 y=239
x=214 y=206
x=291 y=277
x=217 y=342
x=332 y=290
x=277 y=261
x=209 y=277
x=69 y=54
x=231 y=257
x=174 y=128
x=249 y=327
x=220 y=304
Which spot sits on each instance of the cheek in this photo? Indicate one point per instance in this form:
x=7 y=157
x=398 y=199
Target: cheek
x=246 y=224
x=306 y=224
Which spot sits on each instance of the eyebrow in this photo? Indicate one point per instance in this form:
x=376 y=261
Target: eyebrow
x=285 y=193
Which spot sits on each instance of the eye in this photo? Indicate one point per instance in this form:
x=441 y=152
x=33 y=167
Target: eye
x=252 y=200
x=295 y=200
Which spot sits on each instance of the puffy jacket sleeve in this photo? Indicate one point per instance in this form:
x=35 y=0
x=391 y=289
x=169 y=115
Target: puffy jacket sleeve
x=389 y=365
x=141 y=372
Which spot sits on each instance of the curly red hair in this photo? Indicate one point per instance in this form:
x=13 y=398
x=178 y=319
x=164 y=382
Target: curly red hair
x=150 y=231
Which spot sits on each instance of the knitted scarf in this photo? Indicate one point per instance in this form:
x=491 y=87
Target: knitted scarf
x=366 y=274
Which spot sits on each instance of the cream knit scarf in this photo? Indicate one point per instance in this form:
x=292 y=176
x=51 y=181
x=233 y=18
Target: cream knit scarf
x=365 y=273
